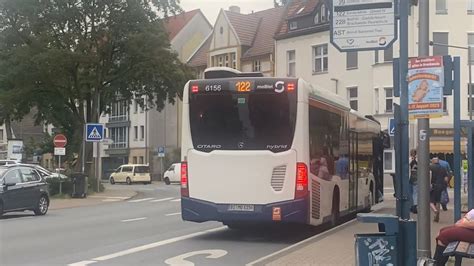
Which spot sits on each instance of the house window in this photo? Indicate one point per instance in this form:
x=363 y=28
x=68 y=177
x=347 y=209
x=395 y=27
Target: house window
x=119 y=111
x=291 y=63
x=293 y=25
x=388 y=54
x=470 y=44
x=352 y=97
x=441 y=38
x=220 y=60
x=134 y=159
x=135 y=130
x=376 y=57
x=351 y=60
x=445 y=104
x=376 y=101
x=136 y=104
x=441 y=7
x=316 y=18
x=388 y=100
x=257 y=66
x=320 y=58
x=119 y=136
x=227 y=60
x=470 y=6
x=234 y=60
x=142 y=132
x=323 y=13
x=141 y=160
x=1 y=135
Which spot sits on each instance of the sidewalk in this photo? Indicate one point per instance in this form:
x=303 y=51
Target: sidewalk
x=337 y=247
x=109 y=195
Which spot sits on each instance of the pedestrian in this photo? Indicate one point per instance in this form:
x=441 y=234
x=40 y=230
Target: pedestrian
x=439 y=178
x=462 y=230
x=413 y=181
x=444 y=194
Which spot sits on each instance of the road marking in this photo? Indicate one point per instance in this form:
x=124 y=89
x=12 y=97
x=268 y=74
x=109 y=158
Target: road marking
x=375 y=208
x=107 y=197
x=172 y=214
x=140 y=200
x=146 y=247
x=134 y=219
x=211 y=254
x=158 y=200
x=176 y=200
x=83 y=263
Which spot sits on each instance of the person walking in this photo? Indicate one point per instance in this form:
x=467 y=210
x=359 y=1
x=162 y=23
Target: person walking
x=444 y=193
x=413 y=181
x=439 y=178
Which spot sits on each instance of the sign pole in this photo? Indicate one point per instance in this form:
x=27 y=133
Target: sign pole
x=424 y=223
x=59 y=175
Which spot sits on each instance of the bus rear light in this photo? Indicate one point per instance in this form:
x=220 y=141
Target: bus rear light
x=195 y=88
x=184 y=180
x=301 y=188
x=290 y=87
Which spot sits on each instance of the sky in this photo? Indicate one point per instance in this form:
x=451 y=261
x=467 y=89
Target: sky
x=211 y=8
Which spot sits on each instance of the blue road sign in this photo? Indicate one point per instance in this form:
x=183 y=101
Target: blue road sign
x=391 y=127
x=161 y=151
x=94 y=132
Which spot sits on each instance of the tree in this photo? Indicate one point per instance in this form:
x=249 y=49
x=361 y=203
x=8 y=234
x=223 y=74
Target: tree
x=60 y=56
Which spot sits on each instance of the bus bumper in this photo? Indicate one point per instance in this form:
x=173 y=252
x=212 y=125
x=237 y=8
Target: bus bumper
x=292 y=211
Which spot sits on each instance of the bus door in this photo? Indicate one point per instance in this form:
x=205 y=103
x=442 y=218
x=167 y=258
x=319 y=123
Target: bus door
x=353 y=170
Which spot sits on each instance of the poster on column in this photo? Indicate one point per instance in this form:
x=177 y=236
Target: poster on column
x=425 y=87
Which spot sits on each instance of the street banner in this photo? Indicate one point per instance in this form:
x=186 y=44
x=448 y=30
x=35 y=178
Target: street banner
x=425 y=87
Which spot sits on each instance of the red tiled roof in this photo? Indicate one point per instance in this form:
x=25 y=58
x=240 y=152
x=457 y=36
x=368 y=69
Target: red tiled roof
x=175 y=24
x=269 y=22
x=200 y=57
x=245 y=26
x=297 y=8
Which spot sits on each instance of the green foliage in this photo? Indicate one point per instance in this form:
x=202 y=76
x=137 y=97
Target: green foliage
x=92 y=185
x=60 y=56
x=172 y=157
x=53 y=184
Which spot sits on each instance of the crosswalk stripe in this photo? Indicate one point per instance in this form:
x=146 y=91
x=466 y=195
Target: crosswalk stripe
x=176 y=200
x=158 y=200
x=140 y=200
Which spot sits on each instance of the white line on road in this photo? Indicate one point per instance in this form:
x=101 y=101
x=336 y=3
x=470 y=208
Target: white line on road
x=140 y=200
x=146 y=247
x=111 y=200
x=158 y=200
x=172 y=214
x=134 y=219
x=176 y=200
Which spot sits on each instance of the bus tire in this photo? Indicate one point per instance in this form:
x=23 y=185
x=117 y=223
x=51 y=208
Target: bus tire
x=335 y=208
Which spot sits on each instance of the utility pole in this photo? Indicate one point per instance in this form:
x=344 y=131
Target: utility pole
x=424 y=223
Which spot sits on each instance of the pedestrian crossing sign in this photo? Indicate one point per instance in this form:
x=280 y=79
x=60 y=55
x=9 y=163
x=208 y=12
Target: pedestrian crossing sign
x=94 y=132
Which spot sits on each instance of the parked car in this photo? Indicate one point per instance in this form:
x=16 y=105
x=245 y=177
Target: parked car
x=173 y=174
x=45 y=173
x=131 y=173
x=22 y=188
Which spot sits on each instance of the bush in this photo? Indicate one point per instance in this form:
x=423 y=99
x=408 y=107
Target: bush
x=53 y=185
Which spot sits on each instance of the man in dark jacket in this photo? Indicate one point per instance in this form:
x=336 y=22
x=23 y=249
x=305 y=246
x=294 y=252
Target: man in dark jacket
x=439 y=177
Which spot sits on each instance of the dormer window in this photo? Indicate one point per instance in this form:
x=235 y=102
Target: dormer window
x=316 y=18
x=323 y=13
x=293 y=25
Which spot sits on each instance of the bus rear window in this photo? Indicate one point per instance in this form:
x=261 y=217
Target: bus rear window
x=258 y=120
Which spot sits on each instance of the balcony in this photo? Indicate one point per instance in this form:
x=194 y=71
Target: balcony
x=118 y=121
x=117 y=149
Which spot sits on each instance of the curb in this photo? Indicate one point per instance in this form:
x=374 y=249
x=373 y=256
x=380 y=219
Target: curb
x=115 y=200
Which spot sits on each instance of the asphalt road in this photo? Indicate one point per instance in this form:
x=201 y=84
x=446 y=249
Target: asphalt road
x=146 y=230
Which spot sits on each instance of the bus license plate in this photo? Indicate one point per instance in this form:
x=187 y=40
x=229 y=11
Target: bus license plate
x=241 y=207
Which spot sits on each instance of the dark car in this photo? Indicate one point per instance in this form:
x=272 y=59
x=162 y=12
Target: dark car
x=22 y=188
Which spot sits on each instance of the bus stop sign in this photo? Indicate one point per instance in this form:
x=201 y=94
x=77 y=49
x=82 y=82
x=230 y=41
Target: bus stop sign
x=362 y=25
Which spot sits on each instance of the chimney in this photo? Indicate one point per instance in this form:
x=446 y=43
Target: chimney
x=234 y=9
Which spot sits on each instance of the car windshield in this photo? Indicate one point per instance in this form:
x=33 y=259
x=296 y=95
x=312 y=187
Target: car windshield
x=142 y=169
x=2 y=171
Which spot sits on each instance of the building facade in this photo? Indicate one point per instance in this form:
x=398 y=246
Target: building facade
x=303 y=49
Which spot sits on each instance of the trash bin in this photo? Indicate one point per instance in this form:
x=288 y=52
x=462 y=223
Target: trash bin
x=378 y=248
x=79 y=185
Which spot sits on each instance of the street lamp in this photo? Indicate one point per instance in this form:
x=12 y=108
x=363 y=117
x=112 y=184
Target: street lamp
x=469 y=60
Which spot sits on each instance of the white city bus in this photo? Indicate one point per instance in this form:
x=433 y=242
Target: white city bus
x=258 y=149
